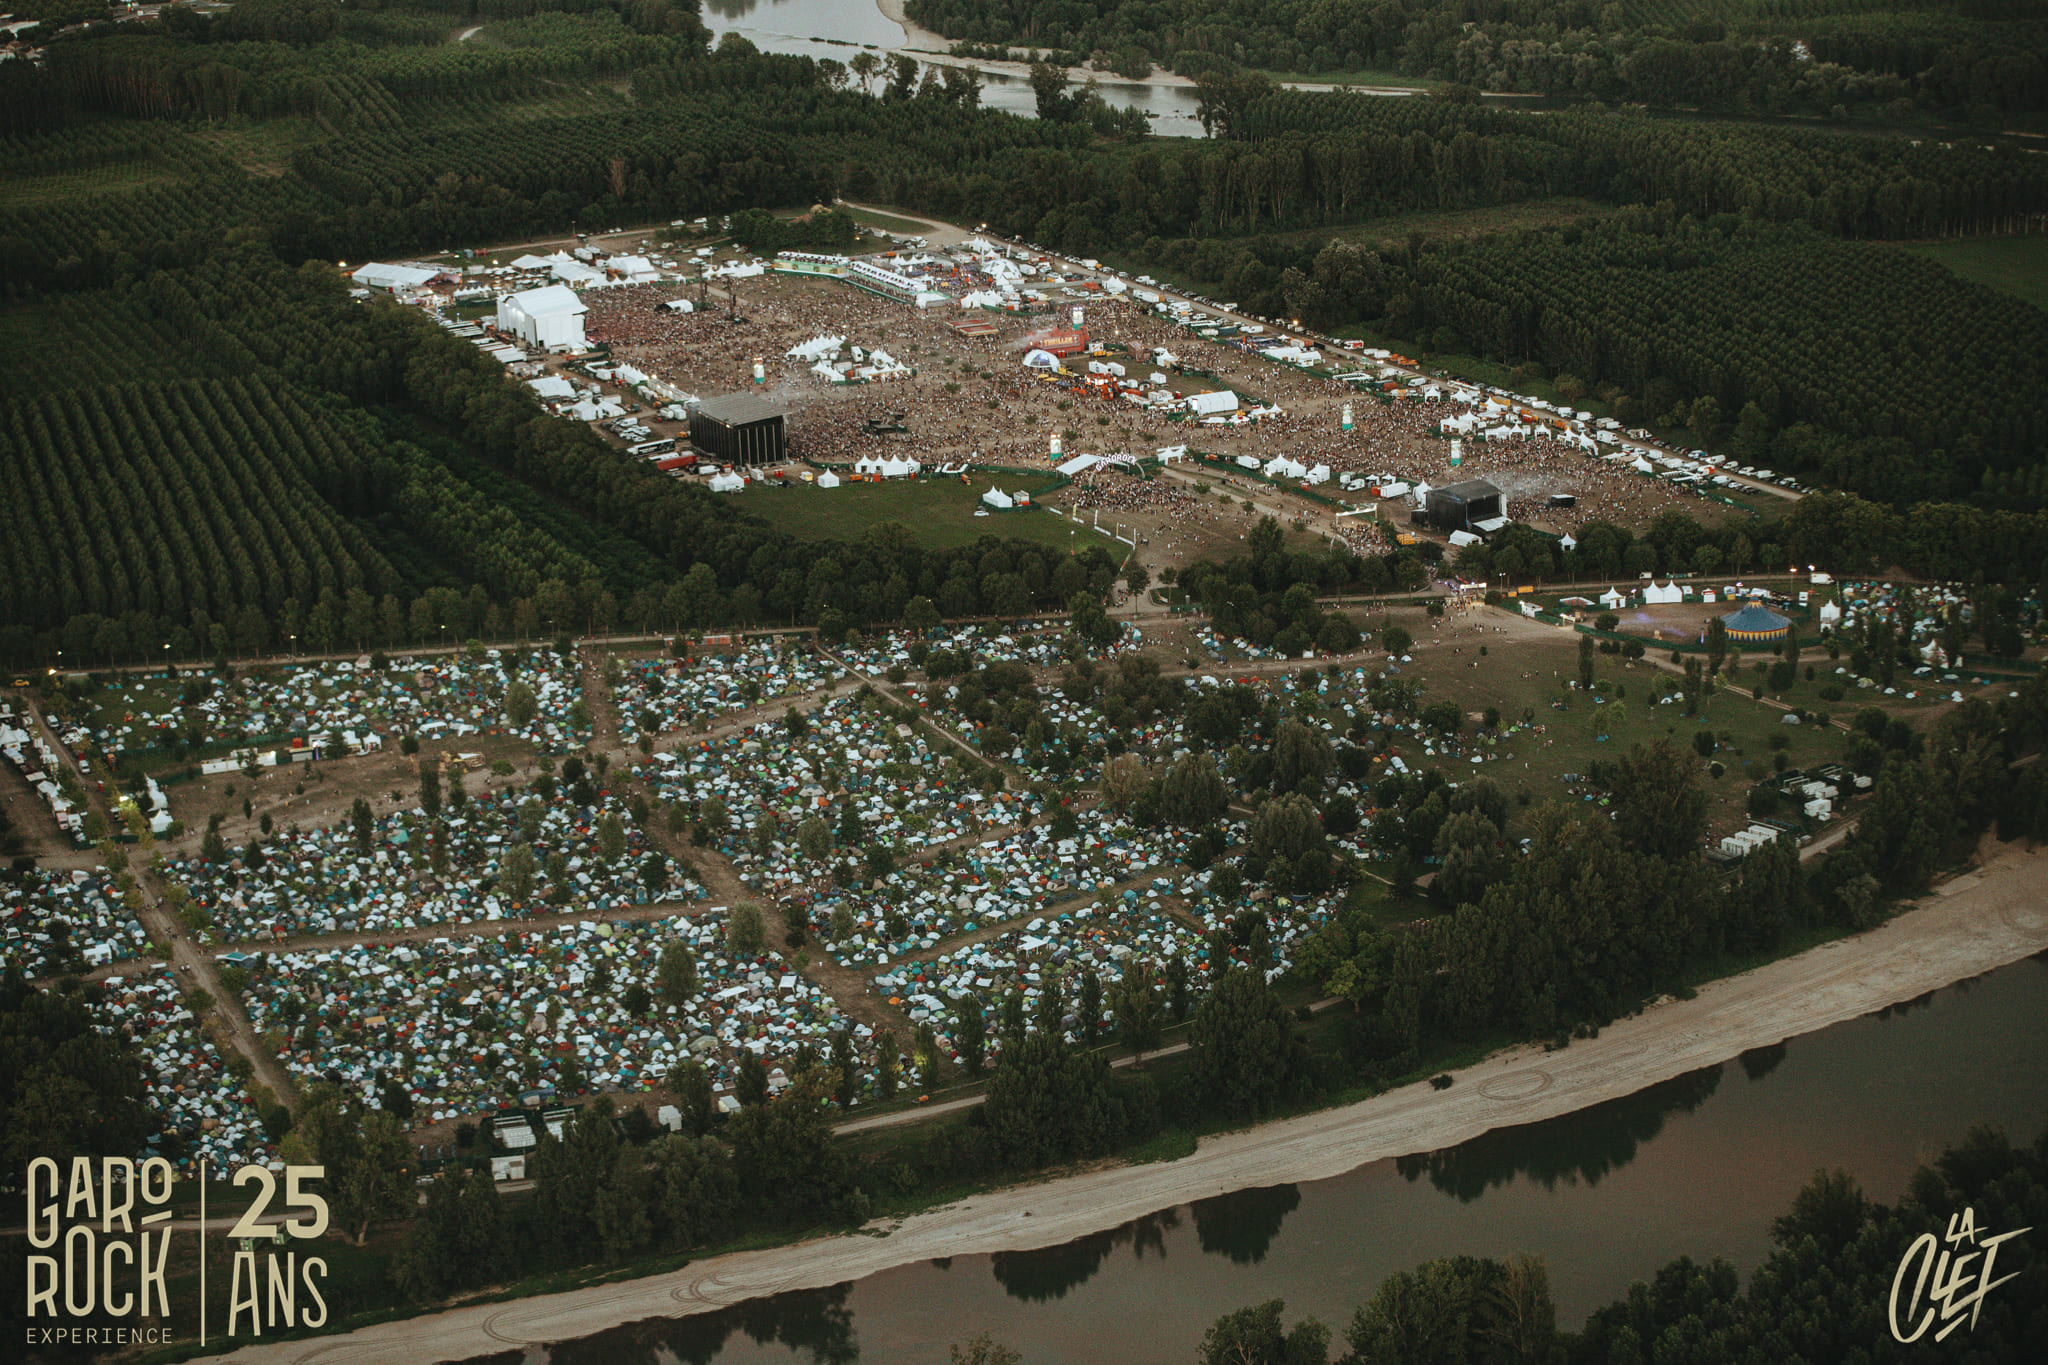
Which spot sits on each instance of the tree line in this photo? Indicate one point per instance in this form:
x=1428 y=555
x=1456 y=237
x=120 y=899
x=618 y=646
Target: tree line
x=1980 y=60
x=1825 y=1291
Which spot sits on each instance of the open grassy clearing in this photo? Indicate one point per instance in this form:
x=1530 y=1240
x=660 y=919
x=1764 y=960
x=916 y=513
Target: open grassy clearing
x=1528 y=670
x=1463 y=224
x=2012 y=265
x=939 y=513
x=1387 y=78
x=907 y=227
x=64 y=187
x=261 y=146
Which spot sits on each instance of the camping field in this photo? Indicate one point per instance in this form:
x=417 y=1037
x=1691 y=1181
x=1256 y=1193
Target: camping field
x=939 y=514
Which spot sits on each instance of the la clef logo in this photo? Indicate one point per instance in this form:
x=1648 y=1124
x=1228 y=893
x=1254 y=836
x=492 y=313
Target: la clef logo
x=1959 y=1285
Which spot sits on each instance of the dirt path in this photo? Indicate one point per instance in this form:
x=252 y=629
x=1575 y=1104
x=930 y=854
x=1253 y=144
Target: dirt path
x=1971 y=925
x=194 y=969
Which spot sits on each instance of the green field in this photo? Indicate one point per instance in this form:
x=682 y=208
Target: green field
x=66 y=187
x=902 y=227
x=1574 y=738
x=2012 y=265
x=940 y=514
x=1392 y=79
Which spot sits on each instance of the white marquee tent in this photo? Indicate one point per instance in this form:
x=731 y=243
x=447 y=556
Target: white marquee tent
x=550 y=318
x=393 y=278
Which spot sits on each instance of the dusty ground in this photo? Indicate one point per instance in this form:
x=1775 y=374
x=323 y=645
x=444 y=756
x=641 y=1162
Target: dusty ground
x=972 y=398
x=1973 y=924
x=30 y=817
x=319 y=794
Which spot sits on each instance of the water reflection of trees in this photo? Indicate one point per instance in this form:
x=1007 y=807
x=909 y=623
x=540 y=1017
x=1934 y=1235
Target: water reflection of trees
x=1584 y=1146
x=1243 y=1225
x=1048 y=1273
x=1760 y=1062
x=1918 y=1002
x=812 y=1323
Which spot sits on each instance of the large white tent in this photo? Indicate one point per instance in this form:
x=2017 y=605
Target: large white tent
x=377 y=275
x=569 y=270
x=550 y=318
x=817 y=348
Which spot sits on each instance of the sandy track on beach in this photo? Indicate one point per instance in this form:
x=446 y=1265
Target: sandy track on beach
x=1977 y=922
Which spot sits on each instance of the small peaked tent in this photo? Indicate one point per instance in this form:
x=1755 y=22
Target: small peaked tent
x=1666 y=592
x=1829 y=613
x=828 y=480
x=727 y=483
x=1755 y=624
x=999 y=500
x=1613 y=598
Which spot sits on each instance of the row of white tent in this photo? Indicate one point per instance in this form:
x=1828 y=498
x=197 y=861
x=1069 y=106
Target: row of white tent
x=1749 y=840
x=887 y=468
x=1281 y=467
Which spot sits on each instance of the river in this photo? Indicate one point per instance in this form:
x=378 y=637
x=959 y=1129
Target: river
x=840 y=28
x=1698 y=1166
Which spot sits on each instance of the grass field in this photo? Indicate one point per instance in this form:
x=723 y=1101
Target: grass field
x=262 y=146
x=41 y=191
x=1393 y=79
x=2012 y=265
x=1456 y=225
x=940 y=514
x=1531 y=674
x=902 y=227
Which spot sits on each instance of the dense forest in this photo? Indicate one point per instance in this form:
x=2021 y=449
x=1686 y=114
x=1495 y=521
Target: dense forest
x=1979 y=58
x=338 y=476
x=217 y=451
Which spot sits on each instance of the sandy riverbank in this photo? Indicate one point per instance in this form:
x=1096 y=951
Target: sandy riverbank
x=1973 y=924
